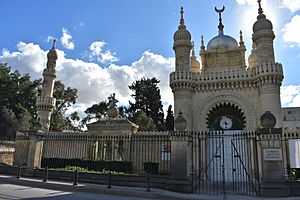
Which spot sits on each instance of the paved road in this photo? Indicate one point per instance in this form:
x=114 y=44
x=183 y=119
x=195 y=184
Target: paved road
x=10 y=191
x=12 y=188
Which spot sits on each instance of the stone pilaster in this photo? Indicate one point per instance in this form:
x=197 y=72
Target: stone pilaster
x=183 y=102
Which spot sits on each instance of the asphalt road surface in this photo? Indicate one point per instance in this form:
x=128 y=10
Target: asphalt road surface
x=10 y=191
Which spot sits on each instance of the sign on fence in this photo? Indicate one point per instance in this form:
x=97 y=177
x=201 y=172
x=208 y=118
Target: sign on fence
x=272 y=154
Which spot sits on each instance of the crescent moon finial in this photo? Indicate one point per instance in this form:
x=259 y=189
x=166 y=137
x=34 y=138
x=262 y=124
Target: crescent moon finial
x=220 y=10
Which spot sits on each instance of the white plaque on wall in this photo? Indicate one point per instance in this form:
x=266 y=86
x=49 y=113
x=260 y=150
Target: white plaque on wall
x=273 y=154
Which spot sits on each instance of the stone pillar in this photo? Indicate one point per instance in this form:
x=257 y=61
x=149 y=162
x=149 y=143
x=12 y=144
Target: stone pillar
x=35 y=151
x=270 y=158
x=183 y=102
x=180 y=180
x=179 y=163
x=270 y=101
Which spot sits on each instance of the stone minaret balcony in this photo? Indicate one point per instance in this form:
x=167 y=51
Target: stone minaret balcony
x=45 y=103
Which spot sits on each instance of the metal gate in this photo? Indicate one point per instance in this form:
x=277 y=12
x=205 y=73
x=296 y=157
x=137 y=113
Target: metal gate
x=224 y=163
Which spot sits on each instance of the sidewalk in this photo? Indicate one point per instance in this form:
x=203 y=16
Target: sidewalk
x=136 y=192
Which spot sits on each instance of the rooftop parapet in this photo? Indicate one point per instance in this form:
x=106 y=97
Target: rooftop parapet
x=230 y=75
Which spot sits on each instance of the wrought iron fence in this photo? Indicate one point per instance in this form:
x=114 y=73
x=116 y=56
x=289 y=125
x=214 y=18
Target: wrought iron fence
x=292 y=153
x=224 y=162
x=125 y=153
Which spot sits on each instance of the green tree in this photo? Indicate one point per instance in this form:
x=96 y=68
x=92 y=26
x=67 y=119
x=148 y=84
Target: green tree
x=147 y=98
x=17 y=101
x=8 y=123
x=145 y=123
x=170 y=119
x=65 y=98
x=99 y=110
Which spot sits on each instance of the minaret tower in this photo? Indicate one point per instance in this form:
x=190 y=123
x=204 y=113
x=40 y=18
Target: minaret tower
x=182 y=46
x=263 y=37
x=45 y=103
x=270 y=73
x=182 y=94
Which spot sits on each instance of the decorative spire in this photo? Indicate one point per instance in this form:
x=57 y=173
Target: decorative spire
x=202 y=43
x=260 y=10
x=193 y=49
x=241 y=38
x=221 y=26
x=181 y=23
x=54 y=44
x=181 y=14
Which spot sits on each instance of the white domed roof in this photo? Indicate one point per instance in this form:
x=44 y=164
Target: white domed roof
x=222 y=41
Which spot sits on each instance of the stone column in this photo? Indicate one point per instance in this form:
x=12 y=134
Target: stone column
x=180 y=180
x=35 y=152
x=270 y=158
x=183 y=103
x=179 y=162
x=180 y=157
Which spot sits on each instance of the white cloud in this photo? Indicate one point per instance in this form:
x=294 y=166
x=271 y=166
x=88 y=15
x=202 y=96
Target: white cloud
x=50 y=38
x=246 y=2
x=66 y=39
x=293 y=5
x=290 y=96
x=28 y=59
x=94 y=83
x=291 y=30
x=97 y=53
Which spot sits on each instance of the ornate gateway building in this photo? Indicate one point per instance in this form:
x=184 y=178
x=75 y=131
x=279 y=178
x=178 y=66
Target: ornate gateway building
x=221 y=92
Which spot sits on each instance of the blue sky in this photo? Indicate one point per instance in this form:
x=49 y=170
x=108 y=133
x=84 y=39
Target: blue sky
x=104 y=45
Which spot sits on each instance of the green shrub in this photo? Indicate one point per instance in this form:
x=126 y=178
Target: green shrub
x=90 y=165
x=151 y=168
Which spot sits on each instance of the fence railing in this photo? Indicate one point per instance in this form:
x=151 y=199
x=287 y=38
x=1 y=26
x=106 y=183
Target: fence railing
x=125 y=153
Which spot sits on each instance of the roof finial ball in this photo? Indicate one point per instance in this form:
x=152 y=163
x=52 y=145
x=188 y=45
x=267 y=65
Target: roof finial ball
x=268 y=120
x=180 y=122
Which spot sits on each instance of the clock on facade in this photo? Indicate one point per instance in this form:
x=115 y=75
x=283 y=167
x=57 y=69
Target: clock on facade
x=225 y=123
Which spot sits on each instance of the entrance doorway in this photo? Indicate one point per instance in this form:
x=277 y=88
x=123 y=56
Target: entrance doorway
x=225 y=162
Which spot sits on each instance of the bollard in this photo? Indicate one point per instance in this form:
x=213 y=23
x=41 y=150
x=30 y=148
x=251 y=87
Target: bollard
x=76 y=178
x=19 y=172
x=109 y=180
x=45 y=175
x=148 y=183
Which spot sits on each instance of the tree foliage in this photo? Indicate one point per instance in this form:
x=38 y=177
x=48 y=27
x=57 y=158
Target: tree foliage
x=147 y=98
x=99 y=110
x=65 y=97
x=17 y=101
x=145 y=123
x=170 y=119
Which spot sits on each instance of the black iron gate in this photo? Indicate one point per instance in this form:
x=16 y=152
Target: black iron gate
x=224 y=163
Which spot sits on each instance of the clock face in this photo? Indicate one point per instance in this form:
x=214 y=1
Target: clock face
x=225 y=123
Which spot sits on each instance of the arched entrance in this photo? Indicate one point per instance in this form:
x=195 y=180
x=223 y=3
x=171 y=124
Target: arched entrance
x=229 y=150
x=225 y=116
